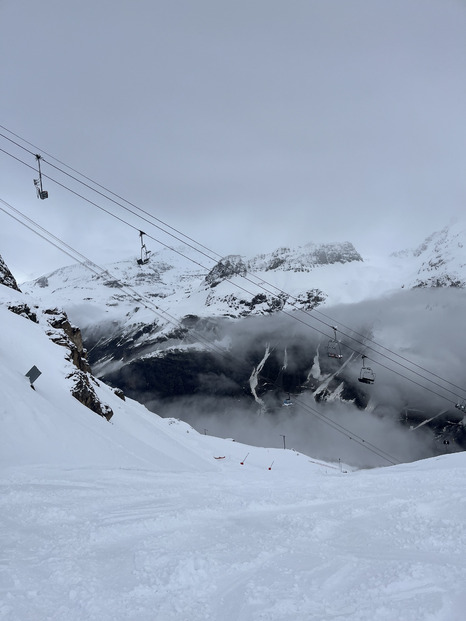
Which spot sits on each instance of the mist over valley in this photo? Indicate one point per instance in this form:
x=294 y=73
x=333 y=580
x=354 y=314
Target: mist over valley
x=242 y=350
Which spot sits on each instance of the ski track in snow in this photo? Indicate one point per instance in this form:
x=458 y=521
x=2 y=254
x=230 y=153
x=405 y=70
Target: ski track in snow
x=234 y=545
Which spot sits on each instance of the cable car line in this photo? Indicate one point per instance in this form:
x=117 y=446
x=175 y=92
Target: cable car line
x=102 y=272
x=257 y=282
x=213 y=258
x=105 y=188
x=260 y=284
x=294 y=317
x=95 y=268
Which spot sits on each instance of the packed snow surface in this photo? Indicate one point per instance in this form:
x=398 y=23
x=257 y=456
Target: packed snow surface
x=144 y=519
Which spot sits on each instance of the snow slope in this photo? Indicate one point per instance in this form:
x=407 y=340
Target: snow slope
x=143 y=519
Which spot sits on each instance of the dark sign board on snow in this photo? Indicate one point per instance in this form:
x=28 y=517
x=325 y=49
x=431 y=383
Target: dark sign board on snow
x=33 y=374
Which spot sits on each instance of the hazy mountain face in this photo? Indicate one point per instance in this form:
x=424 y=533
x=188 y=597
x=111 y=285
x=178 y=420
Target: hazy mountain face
x=221 y=356
x=440 y=259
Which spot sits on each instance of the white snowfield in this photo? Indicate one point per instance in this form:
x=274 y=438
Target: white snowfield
x=143 y=519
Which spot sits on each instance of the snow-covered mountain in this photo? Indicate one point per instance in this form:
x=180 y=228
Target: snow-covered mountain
x=186 y=282
x=142 y=518
x=440 y=261
x=181 y=282
x=177 y=327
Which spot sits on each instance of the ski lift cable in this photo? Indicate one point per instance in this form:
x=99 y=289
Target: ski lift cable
x=366 y=346
x=96 y=269
x=151 y=216
x=255 y=280
x=351 y=436
x=216 y=255
x=102 y=272
x=103 y=209
x=71 y=252
x=294 y=317
x=251 y=278
x=123 y=221
x=91 y=266
x=105 y=188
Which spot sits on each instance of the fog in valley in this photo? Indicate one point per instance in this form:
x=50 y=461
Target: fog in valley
x=414 y=344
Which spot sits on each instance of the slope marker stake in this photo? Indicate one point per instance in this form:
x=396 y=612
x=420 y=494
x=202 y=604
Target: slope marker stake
x=242 y=462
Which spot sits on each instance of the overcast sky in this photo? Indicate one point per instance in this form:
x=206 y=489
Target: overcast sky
x=245 y=124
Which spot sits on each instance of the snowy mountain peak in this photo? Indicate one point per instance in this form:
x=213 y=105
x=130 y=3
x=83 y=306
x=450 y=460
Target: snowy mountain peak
x=232 y=265
x=305 y=258
x=440 y=260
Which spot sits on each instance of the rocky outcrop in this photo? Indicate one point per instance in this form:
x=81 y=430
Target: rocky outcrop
x=265 y=303
x=61 y=332
x=305 y=258
x=6 y=277
x=232 y=265
x=24 y=310
x=66 y=335
x=83 y=391
x=58 y=328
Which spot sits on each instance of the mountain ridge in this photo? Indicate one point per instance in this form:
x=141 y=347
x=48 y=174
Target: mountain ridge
x=175 y=328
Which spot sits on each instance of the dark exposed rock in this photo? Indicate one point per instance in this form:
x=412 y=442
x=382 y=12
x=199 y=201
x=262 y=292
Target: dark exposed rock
x=23 y=310
x=310 y=299
x=6 y=277
x=119 y=393
x=83 y=391
x=177 y=373
x=232 y=265
x=68 y=336
x=440 y=281
x=64 y=334
x=42 y=282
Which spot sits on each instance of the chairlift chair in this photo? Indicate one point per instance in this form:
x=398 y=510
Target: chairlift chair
x=367 y=375
x=287 y=402
x=41 y=193
x=145 y=254
x=333 y=347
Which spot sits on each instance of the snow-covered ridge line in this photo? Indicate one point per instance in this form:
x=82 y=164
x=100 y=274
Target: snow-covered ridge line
x=312 y=275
